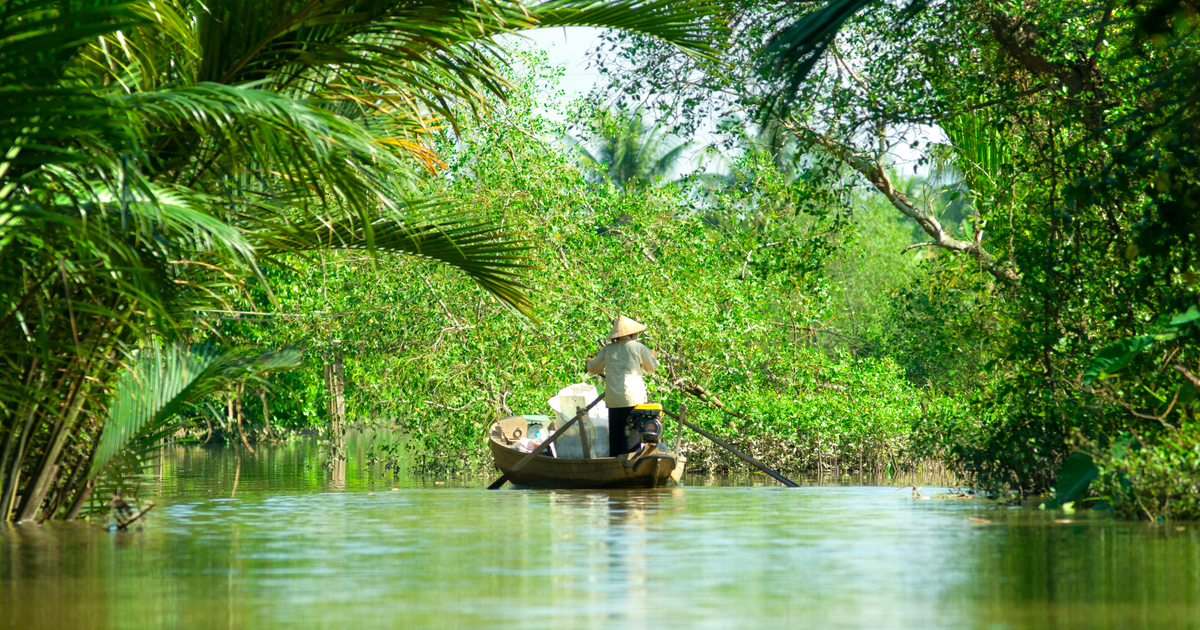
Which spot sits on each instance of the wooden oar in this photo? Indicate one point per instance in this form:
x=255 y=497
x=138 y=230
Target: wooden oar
x=729 y=447
x=497 y=484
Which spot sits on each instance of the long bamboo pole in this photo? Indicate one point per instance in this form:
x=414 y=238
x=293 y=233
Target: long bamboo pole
x=729 y=447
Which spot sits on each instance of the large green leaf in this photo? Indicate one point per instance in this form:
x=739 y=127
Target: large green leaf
x=1186 y=317
x=161 y=380
x=1116 y=356
x=1076 y=475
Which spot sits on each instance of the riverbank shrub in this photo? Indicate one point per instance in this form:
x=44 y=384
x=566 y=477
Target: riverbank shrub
x=1069 y=152
x=731 y=281
x=1155 y=480
x=157 y=154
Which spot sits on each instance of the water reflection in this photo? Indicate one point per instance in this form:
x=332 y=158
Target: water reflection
x=285 y=551
x=1087 y=571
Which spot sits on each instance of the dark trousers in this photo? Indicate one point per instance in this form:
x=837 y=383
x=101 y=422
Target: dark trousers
x=619 y=440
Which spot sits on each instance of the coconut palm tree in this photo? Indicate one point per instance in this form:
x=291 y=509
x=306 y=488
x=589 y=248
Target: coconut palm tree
x=628 y=151
x=767 y=143
x=153 y=154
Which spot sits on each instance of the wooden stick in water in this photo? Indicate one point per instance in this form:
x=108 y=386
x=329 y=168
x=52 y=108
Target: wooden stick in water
x=746 y=458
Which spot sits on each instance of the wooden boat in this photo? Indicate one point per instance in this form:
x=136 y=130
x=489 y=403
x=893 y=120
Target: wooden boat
x=650 y=467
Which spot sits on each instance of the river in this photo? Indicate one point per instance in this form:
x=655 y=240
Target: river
x=263 y=541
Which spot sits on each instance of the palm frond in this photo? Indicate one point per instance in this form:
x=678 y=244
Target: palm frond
x=667 y=161
x=39 y=40
x=440 y=54
x=679 y=23
x=161 y=380
x=43 y=105
x=795 y=50
x=278 y=145
x=492 y=256
x=797 y=47
x=159 y=51
x=981 y=153
x=629 y=150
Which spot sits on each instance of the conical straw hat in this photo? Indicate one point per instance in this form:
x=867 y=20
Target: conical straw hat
x=623 y=326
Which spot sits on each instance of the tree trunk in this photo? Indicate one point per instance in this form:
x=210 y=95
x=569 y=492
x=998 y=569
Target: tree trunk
x=262 y=393
x=335 y=381
x=10 y=441
x=230 y=418
x=13 y=478
x=86 y=492
x=335 y=389
x=49 y=465
x=241 y=388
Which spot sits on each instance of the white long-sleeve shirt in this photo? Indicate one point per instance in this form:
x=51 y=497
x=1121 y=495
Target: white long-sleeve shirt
x=623 y=362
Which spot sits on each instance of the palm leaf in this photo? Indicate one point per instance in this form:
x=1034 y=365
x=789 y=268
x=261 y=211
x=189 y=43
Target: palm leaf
x=627 y=150
x=490 y=255
x=665 y=162
x=793 y=52
x=158 y=51
x=440 y=54
x=39 y=43
x=981 y=152
x=161 y=380
x=679 y=23
x=259 y=140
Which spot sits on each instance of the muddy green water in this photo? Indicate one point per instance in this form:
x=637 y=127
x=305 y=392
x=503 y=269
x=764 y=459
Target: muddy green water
x=287 y=550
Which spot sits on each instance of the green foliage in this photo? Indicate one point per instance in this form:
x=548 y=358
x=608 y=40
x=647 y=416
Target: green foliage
x=1157 y=480
x=1071 y=131
x=868 y=273
x=162 y=381
x=1115 y=356
x=731 y=280
x=155 y=155
x=941 y=326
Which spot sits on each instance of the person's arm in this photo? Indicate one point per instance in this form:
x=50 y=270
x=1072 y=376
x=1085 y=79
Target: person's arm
x=648 y=360
x=595 y=365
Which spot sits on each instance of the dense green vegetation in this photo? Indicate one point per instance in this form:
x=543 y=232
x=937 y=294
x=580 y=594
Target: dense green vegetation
x=1061 y=305
x=733 y=282
x=161 y=156
x=960 y=232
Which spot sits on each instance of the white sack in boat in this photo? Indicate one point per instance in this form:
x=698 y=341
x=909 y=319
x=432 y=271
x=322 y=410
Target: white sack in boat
x=568 y=400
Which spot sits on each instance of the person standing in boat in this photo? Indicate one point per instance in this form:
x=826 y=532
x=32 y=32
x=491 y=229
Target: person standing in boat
x=623 y=362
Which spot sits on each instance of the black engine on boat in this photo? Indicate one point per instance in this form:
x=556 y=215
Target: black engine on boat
x=646 y=420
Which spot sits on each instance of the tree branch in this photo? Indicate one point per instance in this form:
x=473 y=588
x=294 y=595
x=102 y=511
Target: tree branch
x=917 y=246
x=1019 y=38
x=1188 y=375
x=874 y=172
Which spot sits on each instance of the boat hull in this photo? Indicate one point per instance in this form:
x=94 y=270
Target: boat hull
x=649 y=468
